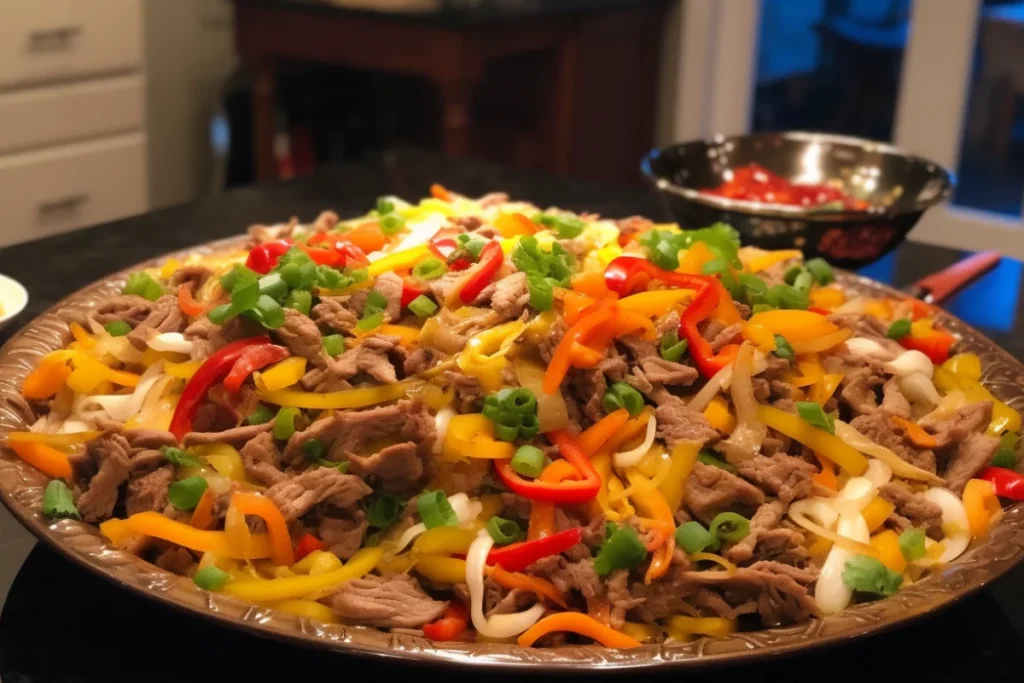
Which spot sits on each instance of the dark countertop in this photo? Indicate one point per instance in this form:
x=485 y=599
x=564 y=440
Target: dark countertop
x=61 y=624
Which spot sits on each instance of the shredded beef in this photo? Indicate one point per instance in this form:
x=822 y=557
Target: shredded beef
x=893 y=400
x=234 y=436
x=302 y=337
x=332 y=312
x=779 y=590
x=511 y=296
x=969 y=419
x=192 y=277
x=297 y=495
x=374 y=356
x=176 y=560
x=578 y=575
x=468 y=390
x=781 y=475
x=343 y=535
x=390 y=287
x=619 y=598
x=880 y=428
x=17 y=404
x=588 y=387
x=148 y=438
x=262 y=459
x=676 y=423
x=165 y=316
x=394 y=601
x=971 y=456
x=206 y=337
x=112 y=453
x=127 y=308
x=546 y=347
x=857 y=388
x=420 y=360
x=325 y=221
x=710 y=490
x=725 y=336
x=652 y=370
x=912 y=510
x=149 y=492
x=398 y=467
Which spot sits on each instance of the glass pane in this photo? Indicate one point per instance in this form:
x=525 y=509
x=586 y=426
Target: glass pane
x=830 y=65
x=991 y=167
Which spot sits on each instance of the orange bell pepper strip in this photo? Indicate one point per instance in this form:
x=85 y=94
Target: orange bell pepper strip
x=188 y=305
x=154 y=524
x=622 y=323
x=281 y=552
x=629 y=431
x=367 y=237
x=202 y=516
x=696 y=256
x=81 y=336
x=582 y=356
x=524 y=582
x=592 y=284
x=439 y=191
x=576 y=622
x=514 y=224
x=542 y=513
x=827 y=477
x=598 y=435
x=915 y=433
x=982 y=505
x=561 y=360
x=44 y=458
x=652 y=503
x=47 y=379
x=574 y=305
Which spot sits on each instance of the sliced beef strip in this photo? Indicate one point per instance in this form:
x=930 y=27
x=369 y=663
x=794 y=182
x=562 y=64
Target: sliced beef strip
x=650 y=369
x=176 y=560
x=343 y=535
x=394 y=601
x=297 y=495
x=893 y=400
x=912 y=510
x=148 y=438
x=145 y=460
x=972 y=455
x=857 y=388
x=261 y=459
x=547 y=345
x=112 y=453
x=333 y=312
x=325 y=221
x=878 y=427
x=725 y=336
x=149 y=492
x=588 y=388
x=398 y=467
x=500 y=600
x=677 y=422
x=765 y=519
x=420 y=360
x=206 y=337
x=193 y=277
x=969 y=419
x=302 y=337
x=390 y=287
x=511 y=296
x=569 y=575
x=468 y=390
x=376 y=356
x=779 y=590
x=711 y=490
x=235 y=436
x=127 y=308
x=781 y=475
x=620 y=600
x=165 y=316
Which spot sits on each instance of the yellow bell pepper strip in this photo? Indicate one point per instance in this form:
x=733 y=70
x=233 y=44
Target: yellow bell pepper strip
x=47 y=378
x=542 y=513
x=284 y=374
x=399 y=564
x=338 y=400
x=822 y=343
x=811 y=373
x=648 y=634
x=202 y=515
x=796 y=326
x=89 y=374
x=965 y=365
x=313 y=557
x=281 y=551
x=602 y=463
x=441 y=570
x=618 y=498
x=716 y=627
x=304 y=608
x=887 y=543
x=591 y=439
x=827 y=297
x=81 y=336
x=822 y=390
x=818 y=440
x=443 y=540
x=298 y=586
x=485 y=354
x=576 y=622
x=155 y=525
x=915 y=433
x=760 y=336
x=400 y=260
x=693 y=261
x=471 y=435
x=652 y=504
x=684 y=454
x=770 y=258
x=534 y=584
x=982 y=505
x=717 y=413
x=827 y=477
x=183 y=370
x=876 y=512
x=1004 y=418
x=725 y=564
x=224 y=458
x=59 y=441
x=656 y=302
x=408 y=337
x=47 y=460
x=819 y=547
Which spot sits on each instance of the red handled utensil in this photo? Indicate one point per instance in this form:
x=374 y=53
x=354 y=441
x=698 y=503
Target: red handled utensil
x=939 y=286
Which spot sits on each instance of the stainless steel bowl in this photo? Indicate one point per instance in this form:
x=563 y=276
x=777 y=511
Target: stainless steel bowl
x=898 y=186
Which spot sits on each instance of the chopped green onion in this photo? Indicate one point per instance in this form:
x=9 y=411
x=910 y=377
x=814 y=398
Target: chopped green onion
x=273 y=285
x=803 y=282
x=621 y=395
x=117 y=328
x=898 y=329
x=912 y=544
x=391 y=224
x=332 y=278
x=422 y=306
x=142 y=284
x=471 y=244
x=671 y=349
x=782 y=348
x=812 y=414
x=245 y=295
x=237 y=275
x=821 y=270
x=383 y=509
x=260 y=416
x=761 y=308
x=290 y=273
x=715 y=266
x=314 y=449
x=504 y=531
x=521 y=401
x=506 y=427
x=530 y=427
x=219 y=314
x=299 y=300
x=751 y=282
x=435 y=510
x=729 y=526
x=211 y=578
x=58 y=503
x=385 y=205
x=1004 y=457
x=269 y=313
x=284 y=423
x=528 y=461
x=791 y=274
x=692 y=537
x=622 y=550
x=185 y=494
x=867 y=575
x=542 y=291
x=370 y=322
x=429 y=268
x=788 y=297
x=713 y=460
x=375 y=302
x=180 y=458
x=567 y=227
x=334 y=345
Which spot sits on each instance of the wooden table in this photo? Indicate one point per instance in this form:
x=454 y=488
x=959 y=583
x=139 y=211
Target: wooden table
x=599 y=109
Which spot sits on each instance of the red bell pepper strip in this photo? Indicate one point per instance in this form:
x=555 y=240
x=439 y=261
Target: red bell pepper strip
x=518 y=556
x=411 y=288
x=566 y=491
x=322 y=256
x=628 y=273
x=444 y=247
x=252 y=359
x=1008 y=483
x=350 y=254
x=209 y=373
x=936 y=345
x=263 y=257
x=307 y=544
x=450 y=626
x=491 y=259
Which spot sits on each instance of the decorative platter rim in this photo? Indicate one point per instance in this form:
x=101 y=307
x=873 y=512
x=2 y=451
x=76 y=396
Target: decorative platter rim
x=21 y=492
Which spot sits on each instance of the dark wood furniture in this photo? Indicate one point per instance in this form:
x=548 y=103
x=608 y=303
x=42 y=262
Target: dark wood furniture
x=599 y=73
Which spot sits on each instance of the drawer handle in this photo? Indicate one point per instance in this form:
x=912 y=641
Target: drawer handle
x=68 y=203
x=56 y=38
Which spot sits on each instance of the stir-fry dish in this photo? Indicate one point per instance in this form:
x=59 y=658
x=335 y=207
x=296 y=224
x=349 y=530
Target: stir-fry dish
x=479 y=420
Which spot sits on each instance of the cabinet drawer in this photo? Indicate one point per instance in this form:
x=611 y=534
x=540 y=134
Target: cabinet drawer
x=65 y=113
x=54 y=40
x=59 y=189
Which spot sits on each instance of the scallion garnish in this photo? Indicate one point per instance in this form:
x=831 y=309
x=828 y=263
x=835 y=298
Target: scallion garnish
x=284 y=423
x=299 y=300
x=782 y=348
x=729 y=526
x=912 y=545
x=260 y=416
x=713 y=460
x=812 y=414
x=180 y=458
x=142 y=284
x=898 y=329
x=435 y=510
x=528 y=461
x=622 y=550
x=429 y=268
x=117 y=328
x=671 y=348
x=621 y=395
x=211 y=578
x=692 y=537
x=821 y=270
x=391 y=224
x=383 y=509
x=504 y=531
x=422 y=306
x=334 y=345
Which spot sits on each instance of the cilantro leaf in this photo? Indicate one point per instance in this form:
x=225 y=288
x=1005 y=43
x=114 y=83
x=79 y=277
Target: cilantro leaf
x=867 y=575
x=180 y=458
x=58 y=503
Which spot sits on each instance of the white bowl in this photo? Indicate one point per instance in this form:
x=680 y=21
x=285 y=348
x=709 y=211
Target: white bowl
x=13 y=299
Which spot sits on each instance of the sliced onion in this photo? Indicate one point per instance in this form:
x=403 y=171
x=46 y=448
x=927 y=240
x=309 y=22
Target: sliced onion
x=552 y=413
x=819 y=510
x=632 y=457
x=117 y=347
x=858 y=304
x=745 y=441
x=858 y=492
x=831 y=594
x=420 y=232
x=711 y=389
x=948 y=406
x=800 y=519
x=919 y=389
x=878 y=473
x=465 y=509
x=862 y=347
x=499 y=625
x=441 y=420
x=953 y=514
x=901 y=468
x=120 y=407
x=173 y=342
x=910 y=362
